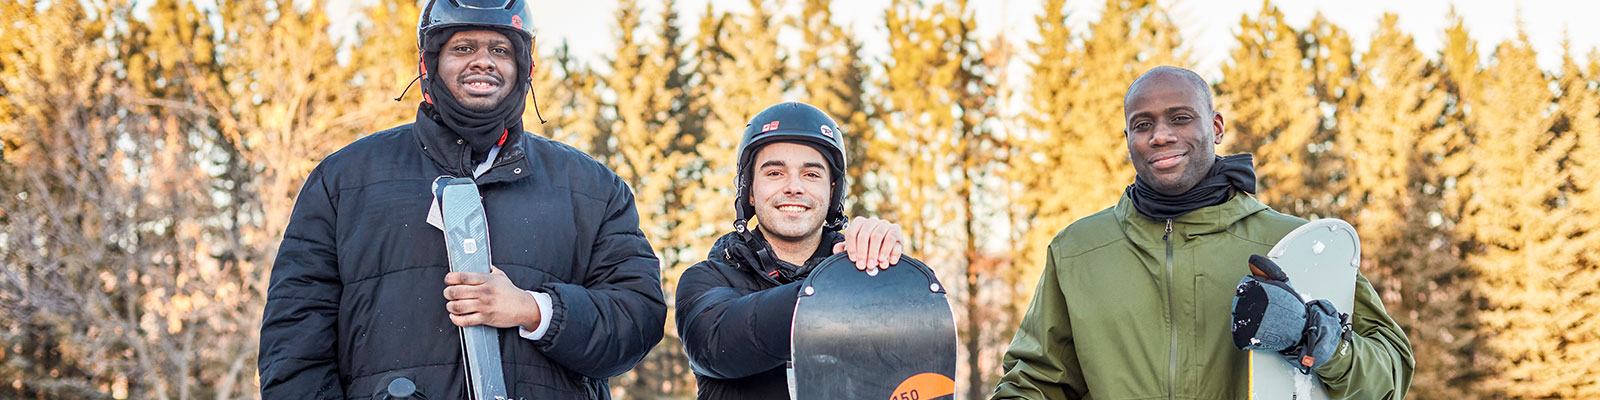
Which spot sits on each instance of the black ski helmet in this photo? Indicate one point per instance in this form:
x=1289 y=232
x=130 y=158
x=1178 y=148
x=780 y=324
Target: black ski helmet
x=792 y=122
x=508 y=16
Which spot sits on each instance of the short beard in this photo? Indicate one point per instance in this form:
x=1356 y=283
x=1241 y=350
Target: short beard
x=1192 y=175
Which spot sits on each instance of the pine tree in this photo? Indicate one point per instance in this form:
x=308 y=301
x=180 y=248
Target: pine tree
x=1268 y=112
x=1577 y=317
x=1332 y=59
x=1052 y=99
x=1448 y=156
x=1519 y=231
x=573 y=104
x=833 y=77
x=384 y=61
x=1389 y=142
x=650 y=153
x=1074 y=161
x=1461 y=79
x=744 y=72
x=940 y=105
x=644 y=128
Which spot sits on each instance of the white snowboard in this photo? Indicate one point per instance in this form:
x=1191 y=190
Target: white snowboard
x=1320 y=258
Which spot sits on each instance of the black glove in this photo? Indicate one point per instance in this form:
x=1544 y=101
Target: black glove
x=1269 y=315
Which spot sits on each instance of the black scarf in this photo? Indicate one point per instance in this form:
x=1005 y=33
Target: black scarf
x=1227 y=174
x=481 y=129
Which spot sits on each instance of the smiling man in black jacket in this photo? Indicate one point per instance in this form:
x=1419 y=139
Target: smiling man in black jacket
x=736 y=307
x=361 y=291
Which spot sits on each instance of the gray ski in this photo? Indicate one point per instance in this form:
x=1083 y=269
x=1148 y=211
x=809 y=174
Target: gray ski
x=466 y=236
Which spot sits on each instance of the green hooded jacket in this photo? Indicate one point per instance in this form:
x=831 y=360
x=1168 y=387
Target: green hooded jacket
x=1126 y=310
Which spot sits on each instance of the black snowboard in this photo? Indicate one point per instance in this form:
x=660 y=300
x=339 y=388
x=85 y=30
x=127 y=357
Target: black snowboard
x=889 y=336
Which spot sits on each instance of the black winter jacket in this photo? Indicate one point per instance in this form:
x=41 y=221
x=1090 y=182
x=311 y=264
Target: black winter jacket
x=734 y=319
x=356 y=293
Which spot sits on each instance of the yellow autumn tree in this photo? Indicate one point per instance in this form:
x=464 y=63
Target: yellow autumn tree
x=947 y=179
x=131 y=276
x=1576 y=316
x=384 y=61
x=1519 y=250
x=59 y=200
x=653 y=155
x=1393 y=147
x=1074 y=159
x=833 y=76
x=1331 y=55
x=743 y=70
x=1262 y=95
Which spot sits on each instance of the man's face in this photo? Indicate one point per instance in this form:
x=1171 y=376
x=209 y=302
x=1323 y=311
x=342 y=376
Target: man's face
x=1172 y=134
x=477 y=66
x=790 y=191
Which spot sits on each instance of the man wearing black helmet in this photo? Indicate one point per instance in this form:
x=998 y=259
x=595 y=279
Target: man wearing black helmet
x=361 y=291
x=735 y=308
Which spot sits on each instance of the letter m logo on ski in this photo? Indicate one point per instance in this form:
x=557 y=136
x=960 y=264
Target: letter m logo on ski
x=769 y=127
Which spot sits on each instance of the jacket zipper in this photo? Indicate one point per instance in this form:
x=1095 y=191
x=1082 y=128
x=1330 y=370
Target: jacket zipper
x=1172 y=320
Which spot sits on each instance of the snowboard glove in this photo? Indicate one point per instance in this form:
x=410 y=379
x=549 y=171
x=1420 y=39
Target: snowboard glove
x=1269 y=315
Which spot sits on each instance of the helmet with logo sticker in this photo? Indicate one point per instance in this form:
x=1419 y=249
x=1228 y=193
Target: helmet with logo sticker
x=798 y=123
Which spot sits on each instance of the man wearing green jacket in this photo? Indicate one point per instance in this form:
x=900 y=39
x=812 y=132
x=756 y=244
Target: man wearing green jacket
x=1136 y=300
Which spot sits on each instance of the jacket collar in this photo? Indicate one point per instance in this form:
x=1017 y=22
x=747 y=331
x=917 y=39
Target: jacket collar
x=1148 y=231
x=727 y=250
x=451 y=153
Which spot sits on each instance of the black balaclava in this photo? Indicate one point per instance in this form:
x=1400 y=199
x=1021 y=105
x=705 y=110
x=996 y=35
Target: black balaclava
x=1227 y=174
x=481 y=129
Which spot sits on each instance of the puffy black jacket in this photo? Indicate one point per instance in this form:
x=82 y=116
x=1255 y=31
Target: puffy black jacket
x=356 y=293
x=734 y=315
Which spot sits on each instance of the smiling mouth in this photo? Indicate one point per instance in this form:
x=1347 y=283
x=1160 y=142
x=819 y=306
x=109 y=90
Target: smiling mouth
x=792 y=208
x=1167 y=162
x=480 y=85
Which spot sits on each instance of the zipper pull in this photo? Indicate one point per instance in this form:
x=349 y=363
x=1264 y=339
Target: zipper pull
x=1167 y=235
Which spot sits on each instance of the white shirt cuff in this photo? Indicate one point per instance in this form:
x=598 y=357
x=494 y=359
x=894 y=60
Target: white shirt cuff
x=544 y=317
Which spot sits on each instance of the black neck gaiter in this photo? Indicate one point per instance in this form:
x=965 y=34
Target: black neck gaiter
x=1227 y=174
x=481 y=129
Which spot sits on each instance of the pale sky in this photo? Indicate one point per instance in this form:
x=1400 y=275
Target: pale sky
x=1208 y=25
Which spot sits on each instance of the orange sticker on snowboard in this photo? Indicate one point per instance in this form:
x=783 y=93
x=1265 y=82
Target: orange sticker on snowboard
x=924 y=386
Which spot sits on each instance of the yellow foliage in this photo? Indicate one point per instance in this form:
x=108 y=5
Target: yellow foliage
x=1523 y=258
x=151 y=164
x=1268 y=112
x=1075 y=146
